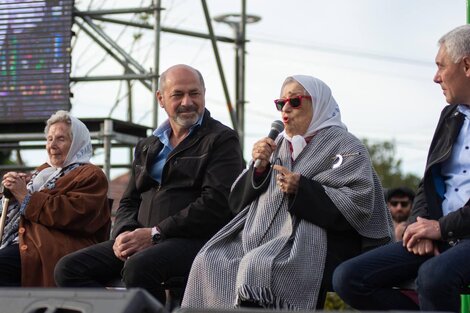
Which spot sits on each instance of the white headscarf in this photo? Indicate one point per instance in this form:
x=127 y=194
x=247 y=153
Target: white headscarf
x=325 y=111
x=80 y=152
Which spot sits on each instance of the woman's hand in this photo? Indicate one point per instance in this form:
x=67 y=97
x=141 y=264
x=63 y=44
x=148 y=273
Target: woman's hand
x=262 y=151
x=16 y=183
x=287 y=181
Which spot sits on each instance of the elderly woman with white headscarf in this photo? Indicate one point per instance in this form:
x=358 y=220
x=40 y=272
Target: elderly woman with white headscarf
x=63 y=207
x=312 y=201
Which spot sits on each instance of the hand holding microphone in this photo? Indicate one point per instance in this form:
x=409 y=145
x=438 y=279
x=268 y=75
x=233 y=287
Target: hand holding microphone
x=263 y=149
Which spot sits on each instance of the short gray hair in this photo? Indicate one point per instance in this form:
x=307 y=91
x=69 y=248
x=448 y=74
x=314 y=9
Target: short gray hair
x=162 y=81
x=60 y=116
x=457 y=42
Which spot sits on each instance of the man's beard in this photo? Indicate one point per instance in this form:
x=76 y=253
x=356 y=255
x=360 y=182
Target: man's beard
x=185 y=120
x=400 y=217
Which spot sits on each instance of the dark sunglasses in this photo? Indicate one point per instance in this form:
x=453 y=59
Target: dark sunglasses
x=294 y=102
x=402 y=203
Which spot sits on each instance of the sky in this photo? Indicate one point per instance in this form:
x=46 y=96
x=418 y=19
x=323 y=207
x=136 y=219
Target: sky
x=377 y=56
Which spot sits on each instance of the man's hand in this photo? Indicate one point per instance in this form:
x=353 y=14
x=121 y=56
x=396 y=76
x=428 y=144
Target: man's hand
x=418 y=237
x=130 y=242
x=424 y=247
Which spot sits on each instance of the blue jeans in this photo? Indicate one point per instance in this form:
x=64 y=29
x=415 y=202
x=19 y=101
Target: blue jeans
x=366 y=282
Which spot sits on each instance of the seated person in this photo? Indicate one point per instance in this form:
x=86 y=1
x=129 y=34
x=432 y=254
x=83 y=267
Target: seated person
x=62 y=208
x=399 y=201
x=436 y=243
x=176 y=199
x=312 y=201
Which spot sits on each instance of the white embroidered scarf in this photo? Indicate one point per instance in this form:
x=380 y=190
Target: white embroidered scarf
x=325 y=111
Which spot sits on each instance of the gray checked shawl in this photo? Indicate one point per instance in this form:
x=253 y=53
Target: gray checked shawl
x=267 y=256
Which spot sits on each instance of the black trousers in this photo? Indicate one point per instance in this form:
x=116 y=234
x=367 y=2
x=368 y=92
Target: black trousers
x=10 y=266
x=97 y=266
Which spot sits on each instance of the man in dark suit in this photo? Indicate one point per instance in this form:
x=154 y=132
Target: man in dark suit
x=436 y=242
x=177 y=196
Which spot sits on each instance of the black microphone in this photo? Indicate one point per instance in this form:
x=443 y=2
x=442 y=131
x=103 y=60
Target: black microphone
x=276 y=128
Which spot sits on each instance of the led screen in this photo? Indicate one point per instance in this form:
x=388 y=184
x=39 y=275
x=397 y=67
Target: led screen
x=34 y=58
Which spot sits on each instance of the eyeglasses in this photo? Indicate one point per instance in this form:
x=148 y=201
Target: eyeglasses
x=402 y=203
x=294 y=102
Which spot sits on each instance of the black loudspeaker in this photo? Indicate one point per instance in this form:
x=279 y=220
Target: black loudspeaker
x=82 y=300
x=258 y=310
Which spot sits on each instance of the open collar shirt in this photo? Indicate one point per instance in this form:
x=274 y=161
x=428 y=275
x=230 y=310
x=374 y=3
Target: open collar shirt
x=456 y=170
x=164 y=133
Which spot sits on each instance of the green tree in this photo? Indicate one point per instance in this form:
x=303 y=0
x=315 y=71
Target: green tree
x=388 y=167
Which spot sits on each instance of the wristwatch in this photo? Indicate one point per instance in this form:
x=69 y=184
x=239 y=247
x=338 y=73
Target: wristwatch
x=156 y=236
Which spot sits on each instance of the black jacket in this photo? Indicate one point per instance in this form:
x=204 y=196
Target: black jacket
x=196 y=180
x=428 y=203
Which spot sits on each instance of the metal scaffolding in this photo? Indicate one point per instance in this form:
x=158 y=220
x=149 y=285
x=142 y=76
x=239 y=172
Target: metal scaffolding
x=85 y=20
x=108 y=133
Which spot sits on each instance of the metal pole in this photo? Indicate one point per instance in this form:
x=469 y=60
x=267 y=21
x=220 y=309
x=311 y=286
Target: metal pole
x=129 y=101
x=113 y=11
x=111 y=53
x=238 y=23
x=133 y=76
x=241 y=96
x=236 y=29
x=107 y=137
x=129 y=114
x=113 y=44
x=233 y=118
x=162 y=29
x=157 y=4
